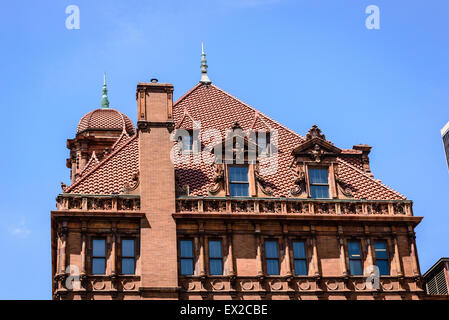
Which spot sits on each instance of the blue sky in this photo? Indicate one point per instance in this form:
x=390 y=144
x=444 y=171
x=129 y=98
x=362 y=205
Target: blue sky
x=300 y=62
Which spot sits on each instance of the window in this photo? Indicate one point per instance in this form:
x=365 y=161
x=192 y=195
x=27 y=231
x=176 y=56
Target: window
x=272 y=257
x=319 y=185
x=187 y=143
x=186 y=257
x=299 y=256
x=215 y=258
x=355 y=259
x=238 y=181
x=263 y=142
x=380 y=249
x=128 y=256
x=98 y=256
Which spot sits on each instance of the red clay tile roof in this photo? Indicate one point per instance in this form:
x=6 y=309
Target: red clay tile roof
x=105 y=119
x=214 y=108
x=111 y=174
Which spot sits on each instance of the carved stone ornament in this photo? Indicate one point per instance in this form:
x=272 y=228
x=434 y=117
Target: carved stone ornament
x=218 y=178
x=344 y=188
x=181 y=190
x=317 y=153
x=300 y=180
x=130 y=186
x=315 y=132
x=261 y=182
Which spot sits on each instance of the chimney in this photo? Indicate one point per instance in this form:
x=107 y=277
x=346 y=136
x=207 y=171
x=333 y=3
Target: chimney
x=157 y=189
x=154 y=101
x=366 y=149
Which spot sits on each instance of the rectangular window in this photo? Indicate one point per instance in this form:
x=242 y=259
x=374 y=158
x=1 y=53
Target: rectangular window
x=380 y=249
x=186 y=247
x=238 y=181
x=300 y=259
x=128 y=256
x=98 y=256
x=215 y=258
x=355 y=258
x=272 y=257
x=263 y=143
x=187 y=143
x=319 y=184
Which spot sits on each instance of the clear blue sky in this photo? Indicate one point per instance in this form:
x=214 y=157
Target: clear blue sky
x=300 y=62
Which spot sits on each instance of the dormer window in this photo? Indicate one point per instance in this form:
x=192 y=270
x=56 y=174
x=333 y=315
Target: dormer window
x=186 y=143
x=238 y=181
x=263 y=143
x=319 y=183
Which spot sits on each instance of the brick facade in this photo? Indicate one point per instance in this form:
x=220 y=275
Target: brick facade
x=137 y=191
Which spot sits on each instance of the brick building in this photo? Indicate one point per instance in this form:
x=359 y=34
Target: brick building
x=207 y=198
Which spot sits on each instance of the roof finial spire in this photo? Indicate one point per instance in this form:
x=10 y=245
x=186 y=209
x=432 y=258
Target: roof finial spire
x=104 y=98
x=204 y=78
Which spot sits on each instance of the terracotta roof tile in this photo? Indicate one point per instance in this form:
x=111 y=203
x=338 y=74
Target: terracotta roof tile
x=111 y=174
x=214 y=108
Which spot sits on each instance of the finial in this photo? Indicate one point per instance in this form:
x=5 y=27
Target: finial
x=104 y=98
x=204 y=78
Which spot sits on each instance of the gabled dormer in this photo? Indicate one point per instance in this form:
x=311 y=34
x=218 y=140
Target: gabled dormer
x=315 y=168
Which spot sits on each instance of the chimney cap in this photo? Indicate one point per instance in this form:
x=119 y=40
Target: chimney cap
x=154 y=80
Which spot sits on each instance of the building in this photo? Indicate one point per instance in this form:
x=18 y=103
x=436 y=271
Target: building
x=208 y=198
x=445 y=137
x=436 y=279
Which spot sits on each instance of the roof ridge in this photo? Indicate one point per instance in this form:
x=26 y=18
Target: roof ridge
x=93 y=157
x=99 y=165
x=259 y=112
x=123 y=134
x=379 y=182
x=187 y=93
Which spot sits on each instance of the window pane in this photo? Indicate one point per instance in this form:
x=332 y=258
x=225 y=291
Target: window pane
x=187 y=266
x=215 y=267
x=300 y=267
x=319 y=192
x=384 y=268
x=239 y=189
x=318 y=175
x=127 y=248
x=380 y=248
x=214 y=249
x=272 y=267
x=187 y=142
x=263 y=142
x=354 y=250
x=238 y=174
x=271 y=249
x=128 y=266
x=186 y=248
x=299 y=249
x=99 y=248
x=98 y=265
x=356 y=267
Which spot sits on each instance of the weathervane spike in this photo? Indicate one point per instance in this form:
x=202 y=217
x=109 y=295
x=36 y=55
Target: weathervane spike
x=204 y=77
x=104 y=98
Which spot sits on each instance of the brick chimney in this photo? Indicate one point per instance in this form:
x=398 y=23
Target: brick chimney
x=366 y=149
x=158 y=252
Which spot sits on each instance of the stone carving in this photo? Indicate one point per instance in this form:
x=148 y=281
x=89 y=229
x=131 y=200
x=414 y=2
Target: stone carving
x=317 y=153
x=261 y=182
x=218 y=178
x=247 y=285
x=181 y=190
x=130 y=186
x=300 y=180
x=315 y=132
x=344 y=188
